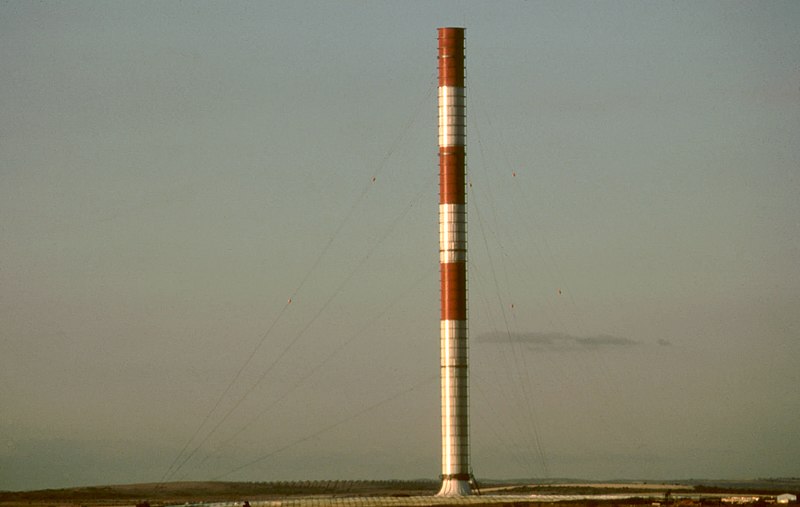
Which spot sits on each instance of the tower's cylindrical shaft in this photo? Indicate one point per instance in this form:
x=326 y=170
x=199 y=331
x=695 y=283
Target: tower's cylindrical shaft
x=453 y=263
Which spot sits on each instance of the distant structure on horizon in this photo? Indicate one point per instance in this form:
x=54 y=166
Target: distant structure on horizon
x=456 y=471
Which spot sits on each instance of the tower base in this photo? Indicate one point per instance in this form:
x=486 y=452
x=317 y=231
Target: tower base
x=455 y=487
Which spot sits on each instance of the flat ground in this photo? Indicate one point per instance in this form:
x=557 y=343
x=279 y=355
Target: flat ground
x=404 y=493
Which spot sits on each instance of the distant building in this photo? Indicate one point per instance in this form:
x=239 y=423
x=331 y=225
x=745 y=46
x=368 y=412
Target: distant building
x=786 y=498
x=740 y=499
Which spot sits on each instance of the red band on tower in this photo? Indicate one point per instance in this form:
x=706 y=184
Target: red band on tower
x=451 y=175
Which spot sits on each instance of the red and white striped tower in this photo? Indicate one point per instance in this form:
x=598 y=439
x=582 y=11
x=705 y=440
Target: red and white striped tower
x=453 y=263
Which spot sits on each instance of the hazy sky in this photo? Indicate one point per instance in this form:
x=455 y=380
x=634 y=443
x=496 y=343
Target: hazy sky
x=172 y=173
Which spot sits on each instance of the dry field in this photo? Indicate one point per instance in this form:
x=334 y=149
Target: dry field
x=399 y=493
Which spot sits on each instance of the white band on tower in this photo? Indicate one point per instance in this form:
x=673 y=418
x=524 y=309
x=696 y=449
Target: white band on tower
x=452 y=232
x=452 y=116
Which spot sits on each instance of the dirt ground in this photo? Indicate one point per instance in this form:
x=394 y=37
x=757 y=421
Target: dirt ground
x=684 y=493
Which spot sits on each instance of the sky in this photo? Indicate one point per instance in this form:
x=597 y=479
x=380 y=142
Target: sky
x=218 y=240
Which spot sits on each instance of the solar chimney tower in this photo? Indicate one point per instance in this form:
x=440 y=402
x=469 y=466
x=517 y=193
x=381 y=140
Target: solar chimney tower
x=453 y=263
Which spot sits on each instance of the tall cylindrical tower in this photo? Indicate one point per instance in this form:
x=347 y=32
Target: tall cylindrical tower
x=453 y=263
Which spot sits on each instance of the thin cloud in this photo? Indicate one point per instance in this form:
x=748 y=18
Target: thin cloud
x=558 y=341
x=605 y=339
